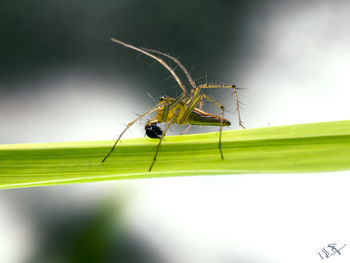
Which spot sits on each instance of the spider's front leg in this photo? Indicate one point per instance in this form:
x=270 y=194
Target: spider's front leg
x=127 y=127
x=171 y=121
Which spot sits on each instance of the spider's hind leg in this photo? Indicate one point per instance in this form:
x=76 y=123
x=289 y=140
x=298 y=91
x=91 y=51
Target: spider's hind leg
x=234 y=88
x=187 y=129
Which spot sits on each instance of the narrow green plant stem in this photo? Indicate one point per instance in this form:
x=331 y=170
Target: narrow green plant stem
x=314 y=147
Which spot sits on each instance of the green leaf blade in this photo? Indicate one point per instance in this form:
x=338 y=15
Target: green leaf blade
x=315 y=147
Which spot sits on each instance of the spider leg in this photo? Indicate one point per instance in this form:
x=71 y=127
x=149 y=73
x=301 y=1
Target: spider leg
x=128 y=126
x=207 y=86
x=186 y=130
x=222 y=109
x=172 y=120
x=161 y=61
x=189 y=125
x=193 y=84
x=192 y=105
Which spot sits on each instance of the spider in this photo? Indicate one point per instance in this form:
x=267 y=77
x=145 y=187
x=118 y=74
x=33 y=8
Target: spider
x=181 y=110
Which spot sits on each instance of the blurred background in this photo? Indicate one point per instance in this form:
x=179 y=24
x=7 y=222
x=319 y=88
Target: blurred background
x=62 y=79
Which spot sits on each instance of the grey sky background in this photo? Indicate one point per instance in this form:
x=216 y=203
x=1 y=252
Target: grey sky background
x=62 y=79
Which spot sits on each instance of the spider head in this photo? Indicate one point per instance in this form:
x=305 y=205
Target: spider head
x=165 y=97
x=166 y=100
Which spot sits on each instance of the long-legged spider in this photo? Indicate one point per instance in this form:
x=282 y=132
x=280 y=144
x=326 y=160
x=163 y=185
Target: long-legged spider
x=181 y=110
